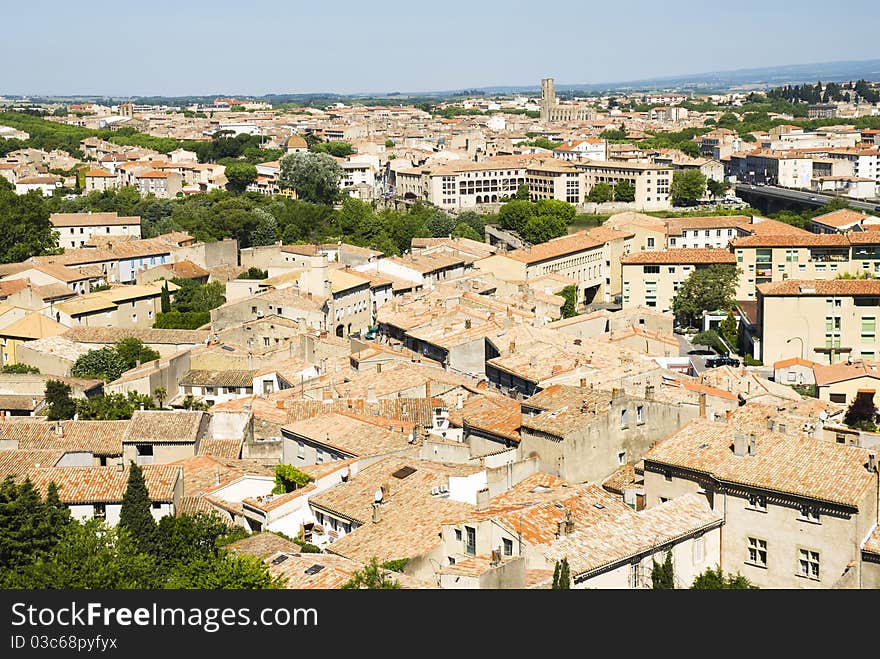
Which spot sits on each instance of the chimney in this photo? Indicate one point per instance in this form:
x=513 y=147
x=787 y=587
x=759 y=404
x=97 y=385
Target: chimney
x=578 y=342
x=556 y=369
x=617 y=393
x=512 y=346
x=770 y=423
x=739 y=444
x=326 y=395
x=467 y=323
x=377 y=514
x=583 y=383
x=279 y=404
x=585 y=406
x=753 y=444
x=59 y=429
x=459 y=400
x=483 y=498
x=702 y=405
x=872 y=461
x=371 y=395
x=649 y=392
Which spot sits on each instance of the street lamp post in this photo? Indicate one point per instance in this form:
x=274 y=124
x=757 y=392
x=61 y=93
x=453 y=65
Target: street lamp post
x=802 y=344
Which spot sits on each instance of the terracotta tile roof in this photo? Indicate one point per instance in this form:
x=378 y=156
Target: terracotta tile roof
x=473 y=566
x=556 y=248
x=19 y=463
x=618 y=538
x=263 y=545
x=492 y=413
x=794 y=361
x=92 y=219
x=33 y=326
x=768 y=227
x=567 y=409
x=832 y=373
x=791 y=464
x=695 y=256
x=164 y=426
x=872 y=545
x=678 y=224
x=20 y=402
x=847 y=287
x=221 y=448
x=840 y=218
x=97 y=437
x=11 y=286
x=106 y=484
x=217 y=378
x=349 y=434
x=111 y=335
x=617 y=482
x=205 y=473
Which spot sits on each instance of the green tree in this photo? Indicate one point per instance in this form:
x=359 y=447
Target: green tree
x=133 y=351
x=522 y=192
x=556 y=208
x=25 y=230
x=58 y=400
x=663 y=574
x=569 y=309
x=112 y=407
x=541 y=228
x=688 y=185
x=226 y=573
x=463 y=230
x=29 y=526
x=714 y=579
x=19 y=368
x=372 y=577
x=165 y=299
x=336 y=149
x=730 y=330
x=561 y=576
x=389 y=143
x=182 y=320
x=288 y=478
x=160 y=394
x=314 y=176
x=624 y=191
x=100 y=364
x=239 y=175
x=717 y=188
x=862 y=413
x=706 y=289
x=266 y=232
x=253 y=273
x=601 y=193
x=135 y=516
x=515 y=214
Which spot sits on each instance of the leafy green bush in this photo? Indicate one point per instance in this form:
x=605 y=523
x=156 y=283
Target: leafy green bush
x=182 y=319
x=288 y=478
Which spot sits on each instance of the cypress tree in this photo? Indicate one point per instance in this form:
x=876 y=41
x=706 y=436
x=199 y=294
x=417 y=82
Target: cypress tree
x=561 y=575
x=136 y=517
x=663 y=574
x=165 y=299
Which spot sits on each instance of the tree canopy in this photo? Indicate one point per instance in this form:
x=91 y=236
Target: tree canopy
x=314 y=176
x=688 y=186
x=710 y=288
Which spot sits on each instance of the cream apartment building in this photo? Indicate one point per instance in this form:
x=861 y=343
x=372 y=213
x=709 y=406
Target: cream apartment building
x=825 y=321
x=796 y=510
x=652 y=278
x=590 y=258
x=76 y=229
x=765 y=259
x=555 y=179
x=651 y=181
x=461 y=184
x=121 y=306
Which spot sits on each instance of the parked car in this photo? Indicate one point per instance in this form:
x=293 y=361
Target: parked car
x=701 y=351
x=721 y=360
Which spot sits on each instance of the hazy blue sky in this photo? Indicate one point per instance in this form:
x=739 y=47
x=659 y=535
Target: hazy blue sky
x=177 y=47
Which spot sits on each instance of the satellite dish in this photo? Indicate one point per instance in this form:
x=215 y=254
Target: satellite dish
x=377 y=497
x=823 y=415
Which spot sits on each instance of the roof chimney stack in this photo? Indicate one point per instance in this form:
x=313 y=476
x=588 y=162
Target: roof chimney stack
x=483 y=498
x=377 y=514
x=702 y=404
x=872 y=462
x=739 y=444
x=753 y=444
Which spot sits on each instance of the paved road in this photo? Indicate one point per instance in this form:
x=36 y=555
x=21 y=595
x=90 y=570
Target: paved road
x=809 y=198
x=685 y=346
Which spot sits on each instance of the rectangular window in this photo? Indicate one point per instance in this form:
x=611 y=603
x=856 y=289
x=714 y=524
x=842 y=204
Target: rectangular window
x=808 y=564
x=651 y=269
x=621 y=457
x=838 y=398
x=757 y=552
x=470 y=545
x=635 y=576
x=100 y=511
x=300 y=449
x=757 y=502
x=809 y=514
x=699 y=548
x=458 y=535
x=640 y=414
x=508 y=546
x=650 y=242
x=624 y=419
